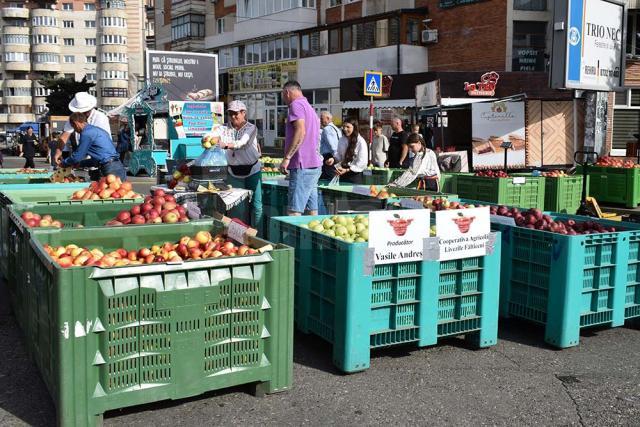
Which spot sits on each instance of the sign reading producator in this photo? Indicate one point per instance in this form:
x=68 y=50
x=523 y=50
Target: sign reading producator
x=588 y=51
x=399 y=235
x=185 y=76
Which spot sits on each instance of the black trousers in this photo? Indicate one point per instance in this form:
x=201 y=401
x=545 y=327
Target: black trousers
x=352 y=177
x=29 y=162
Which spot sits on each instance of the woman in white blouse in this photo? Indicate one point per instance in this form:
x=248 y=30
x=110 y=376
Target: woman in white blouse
x=353 y=154
x=424 y=166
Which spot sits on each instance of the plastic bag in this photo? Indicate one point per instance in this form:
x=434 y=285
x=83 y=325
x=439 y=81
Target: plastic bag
x=335 y=180
x=214 y=156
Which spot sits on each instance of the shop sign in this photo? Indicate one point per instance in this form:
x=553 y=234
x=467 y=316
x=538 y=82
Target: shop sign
x=262 y=78
x=492 y=124
x=463 y=233
x=399 y=235
x=185 y=76
x=195 y=119
x=588 y=47
x=428 y=94
x=485 y=87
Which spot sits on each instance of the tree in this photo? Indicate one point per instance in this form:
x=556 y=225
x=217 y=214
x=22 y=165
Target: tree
x=62 y=92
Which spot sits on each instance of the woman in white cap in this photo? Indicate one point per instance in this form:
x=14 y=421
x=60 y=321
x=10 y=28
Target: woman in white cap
x=82 y=102
x=243 y=158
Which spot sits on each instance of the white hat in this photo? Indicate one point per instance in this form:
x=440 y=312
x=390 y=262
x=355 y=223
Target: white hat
x=83 y=102
x=237 y=106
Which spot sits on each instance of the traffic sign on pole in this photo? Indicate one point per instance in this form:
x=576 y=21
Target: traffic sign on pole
x=372 y=83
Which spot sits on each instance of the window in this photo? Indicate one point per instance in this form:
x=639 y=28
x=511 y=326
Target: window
x=294 y=46
x=116 y=4
x=112 y=92
x=41 y=91
x=219 y=25
x=46 y=58
x=15 y=39
x=278 y=49
x=115 y=75
x=20 y=109
x=249 y=53
x=633 y=33
x=264 y=51
x=113 y=39
x=91 y=77
x=286 y=48
x=413 y=31
x=248 y=9
x=185 y=26
x=272 y=50
x=241 y=55
x=69 y=42
x=90 y=42
x=69 y=59
x=19 y=91
x=89 y=6
x=114 y=21
x=529 y=45
x=530 y=4
x=90 y=59
x=15 y=22
x=346 y=39
x=334 y=40
x=67 y=6
x=114 y=57
x=44 y=21
x=44 y=39
x=40 y=109
x=67 y=24
x=89 y=24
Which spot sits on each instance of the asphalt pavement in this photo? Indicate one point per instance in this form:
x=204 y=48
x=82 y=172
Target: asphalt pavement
x=520 y=381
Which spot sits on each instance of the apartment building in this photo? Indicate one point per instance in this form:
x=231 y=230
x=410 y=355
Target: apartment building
x=101 y=40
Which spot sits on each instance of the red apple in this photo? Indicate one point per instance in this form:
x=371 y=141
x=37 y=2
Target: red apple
x=146 y=207
x=138 y=219
x=170 y=218
x=123 y=216
x=159 y=193
x=135 y=210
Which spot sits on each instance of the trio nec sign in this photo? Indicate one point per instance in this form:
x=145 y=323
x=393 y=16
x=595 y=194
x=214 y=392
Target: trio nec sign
x=588 y=45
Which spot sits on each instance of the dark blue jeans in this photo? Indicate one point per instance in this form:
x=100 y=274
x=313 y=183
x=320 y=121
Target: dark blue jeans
x=115 y=168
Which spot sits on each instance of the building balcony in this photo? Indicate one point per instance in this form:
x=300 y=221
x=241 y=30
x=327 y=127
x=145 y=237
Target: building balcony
x=120 y=13
x=17 y=100
x=16 y=66
x=52 y=31
x=189 y=6
x=111 y=101
x=45 y=12
x=12 y=29
x=47 y=67
x=25 y=48
x=9 y=83
x=14 y=12
x=111 y=48
x=19 y=118
x=218 y=40
x=46 y=48
x=115 y=84
x=189 y=44
x=4 y=118
x=281 y=22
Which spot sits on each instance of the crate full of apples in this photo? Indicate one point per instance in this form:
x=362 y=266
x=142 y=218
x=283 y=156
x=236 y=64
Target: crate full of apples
x=157 y=208
x=108 y=187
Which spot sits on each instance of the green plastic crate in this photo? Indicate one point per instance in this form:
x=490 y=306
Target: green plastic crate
x=502 y=190
x=568 y=283
x=9 y=174
x=415 y=302
x=614 y=185
x=380 y=176
x=562 y=194
x=40 y=194
x=272 y=175
x=18 y=179
x=105 y=339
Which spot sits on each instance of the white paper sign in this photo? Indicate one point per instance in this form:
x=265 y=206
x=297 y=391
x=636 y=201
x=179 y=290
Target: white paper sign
x=519 y=180
x=463 y=233
x=504 y=220
x=491 y=125
x=397 y=236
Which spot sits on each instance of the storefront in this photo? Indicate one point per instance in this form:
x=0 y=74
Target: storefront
x=548 y=123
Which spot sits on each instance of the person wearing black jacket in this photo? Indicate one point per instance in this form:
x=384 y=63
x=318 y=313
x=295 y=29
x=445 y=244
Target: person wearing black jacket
x=28 y=143
x=398 y=154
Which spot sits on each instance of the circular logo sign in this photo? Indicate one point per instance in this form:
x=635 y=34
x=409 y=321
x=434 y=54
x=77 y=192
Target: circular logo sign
x=574 y=36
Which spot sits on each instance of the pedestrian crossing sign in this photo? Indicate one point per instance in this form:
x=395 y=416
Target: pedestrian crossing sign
x=372 y=83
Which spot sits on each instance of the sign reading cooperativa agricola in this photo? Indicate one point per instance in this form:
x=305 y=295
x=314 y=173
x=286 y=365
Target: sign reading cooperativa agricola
x=463 y=233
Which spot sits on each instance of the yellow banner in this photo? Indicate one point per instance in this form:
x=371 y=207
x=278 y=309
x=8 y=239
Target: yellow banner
x=264 y=77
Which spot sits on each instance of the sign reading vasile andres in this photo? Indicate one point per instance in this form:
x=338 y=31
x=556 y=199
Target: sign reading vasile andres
x=399 y=235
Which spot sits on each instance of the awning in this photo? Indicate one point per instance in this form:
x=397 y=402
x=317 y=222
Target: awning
x=121 y=109
x=452 y=102
x=385 y=103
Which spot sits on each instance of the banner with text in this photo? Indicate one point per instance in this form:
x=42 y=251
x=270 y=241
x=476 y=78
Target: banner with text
x=463 y=233
x=399 y=235
x=185 y=76
x=492 y=124
x=195 y=119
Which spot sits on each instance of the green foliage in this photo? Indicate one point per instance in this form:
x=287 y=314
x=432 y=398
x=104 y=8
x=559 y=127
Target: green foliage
x=62 y=92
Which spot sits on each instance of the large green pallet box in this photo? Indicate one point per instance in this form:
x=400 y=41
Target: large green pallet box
x=380 y=176
x=18 y=179
x=35 y=194
x=502 y=190
x=562 y=194
x=567 y=283
x=87 y=215
x=117 y=337
x=614 y=185
x=414 y=302
x=9 y=174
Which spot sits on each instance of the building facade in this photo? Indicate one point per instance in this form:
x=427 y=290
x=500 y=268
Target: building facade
x=102 y=41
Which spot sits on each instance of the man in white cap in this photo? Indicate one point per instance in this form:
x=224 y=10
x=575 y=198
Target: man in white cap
x=243 y=158
x=82 y=102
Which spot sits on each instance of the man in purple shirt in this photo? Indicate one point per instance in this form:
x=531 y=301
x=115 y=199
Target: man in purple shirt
x=302 y=160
